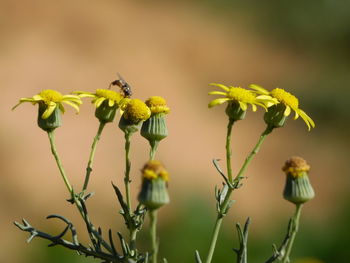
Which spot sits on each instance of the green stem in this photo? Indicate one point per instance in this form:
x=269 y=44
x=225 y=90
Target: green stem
x=228 y=149
x=92 y=154
x=51 y=135
x=295 y=227
x=225 y=203
x=256 y=149
x=153 y=233
x=154 y=146
x=127 y=170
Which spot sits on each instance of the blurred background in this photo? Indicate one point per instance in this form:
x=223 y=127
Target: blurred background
x=174 y=49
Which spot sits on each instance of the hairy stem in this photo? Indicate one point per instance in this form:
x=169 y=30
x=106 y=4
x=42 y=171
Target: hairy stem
x=92 y=154
x=51 y=135
x=127 y=171
x=225 y=203
x=153 y=233
x=295 y=227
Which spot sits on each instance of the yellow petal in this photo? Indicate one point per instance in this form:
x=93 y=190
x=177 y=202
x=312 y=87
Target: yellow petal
x=220 y=86
x=254 y=108
x=287 y=111
x=73 y=98
x=99 y=101
x=37 y=97
x=75 y=106
x=110 y=103
x=217 y=93
x=296 y=116
x=259 y=89
x=217 y=102
x=243 y=105
x=49 y=110
x=62 y=109
x=307 y=119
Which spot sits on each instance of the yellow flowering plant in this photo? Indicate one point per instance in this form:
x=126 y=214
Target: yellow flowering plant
x=148 y=118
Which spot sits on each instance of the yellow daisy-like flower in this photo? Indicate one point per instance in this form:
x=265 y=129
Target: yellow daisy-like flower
x=157 y=105
x=101 y=95
x=239 y=95
x=288 y=100
x=52 y=99
x=136 y=111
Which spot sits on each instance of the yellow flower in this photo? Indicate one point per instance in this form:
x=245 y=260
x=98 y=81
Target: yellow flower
x=239 y=95
x=289 y=101
x=136 y=111
x=157 y=105
x=51 y=99
x=101 y=95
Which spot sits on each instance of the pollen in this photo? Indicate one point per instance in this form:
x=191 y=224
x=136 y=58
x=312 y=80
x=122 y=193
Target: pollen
x=240 y=94
x=285 y=97
x=49 y=95
x=157 y=105
x=109 y=94
x=136 y=110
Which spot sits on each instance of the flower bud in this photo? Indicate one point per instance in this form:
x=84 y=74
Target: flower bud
x=135 y=112
x=154 y=193
x=52 y=122
x=234 y=111
x=155 y=129
x=298 y=188
x=274 y=117
x=106 y=113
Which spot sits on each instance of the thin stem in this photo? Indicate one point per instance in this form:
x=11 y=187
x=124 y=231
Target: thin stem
x=127 y=170
x=154 y=146
x=225 y=203
x=228 y=149
x=92 y=154
x=51 y=135
x=153 y=233
x=295 y=227
x=256 y=149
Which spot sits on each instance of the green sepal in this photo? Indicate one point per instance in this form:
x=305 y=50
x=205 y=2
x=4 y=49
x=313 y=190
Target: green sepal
x=274 y=117
x=106 y=113
x=298 y=189
x=234 y=111
x=154 y=128
x=52 y=122
x=128 y=127
x=154 y=193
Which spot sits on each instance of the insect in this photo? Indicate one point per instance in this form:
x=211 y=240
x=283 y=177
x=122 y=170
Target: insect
x=123 y=85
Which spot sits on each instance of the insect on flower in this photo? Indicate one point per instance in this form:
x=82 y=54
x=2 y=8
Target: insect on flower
x=123 y=85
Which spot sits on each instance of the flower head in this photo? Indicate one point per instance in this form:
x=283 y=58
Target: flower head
x=289 y=101
x=239 y=95
x=49 y=100
x=102 y=95
x=136 y=111
x=296 y=166
x=157 y=105
x=154 y=169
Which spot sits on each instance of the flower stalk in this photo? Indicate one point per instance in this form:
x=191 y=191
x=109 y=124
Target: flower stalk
x=153 y=233
x=92 y=155
x=295 y=227
x=127 y=170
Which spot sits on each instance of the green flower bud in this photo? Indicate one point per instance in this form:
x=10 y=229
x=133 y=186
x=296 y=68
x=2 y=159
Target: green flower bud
x=275 y=116
x=52 y=122
x=154 y=193
x=127 y=126
x=155 y=129
x=234 y=111
x=106 y=113
x=298 y=188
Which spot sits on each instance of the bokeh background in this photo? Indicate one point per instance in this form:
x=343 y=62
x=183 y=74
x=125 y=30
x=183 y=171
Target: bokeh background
x=174 y=49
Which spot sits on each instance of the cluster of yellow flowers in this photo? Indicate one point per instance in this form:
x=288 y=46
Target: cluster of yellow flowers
x=276 y=101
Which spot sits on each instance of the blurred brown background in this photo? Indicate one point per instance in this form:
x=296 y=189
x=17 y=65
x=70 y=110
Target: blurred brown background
x=174 y=49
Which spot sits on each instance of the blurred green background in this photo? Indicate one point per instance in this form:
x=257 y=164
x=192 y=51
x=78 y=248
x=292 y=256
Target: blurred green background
x=174 y=49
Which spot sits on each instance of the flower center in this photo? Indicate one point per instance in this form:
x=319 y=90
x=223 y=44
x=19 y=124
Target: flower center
x=285 y=97
x=239 y=94
x=109 y=94
x=157 y=105
x=136 y=110
x=50 y=95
